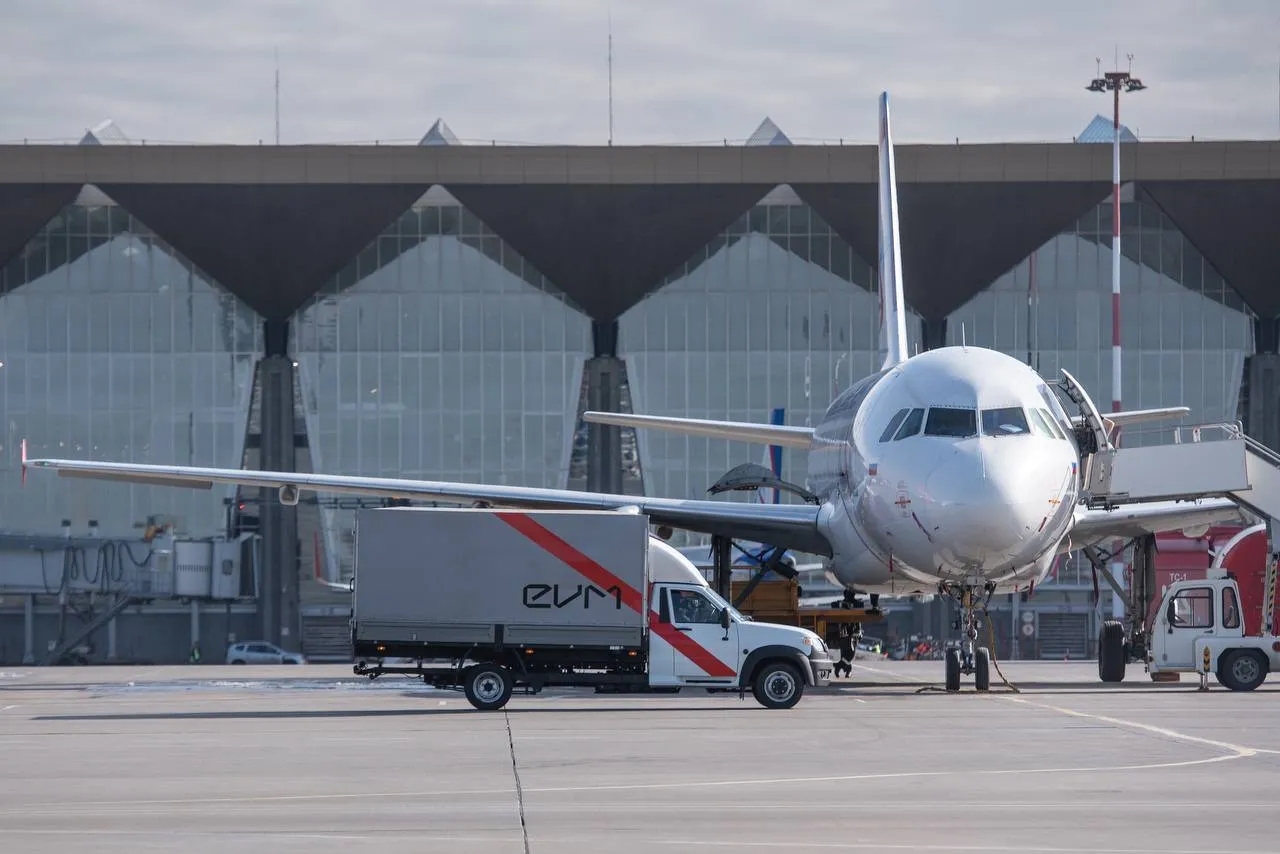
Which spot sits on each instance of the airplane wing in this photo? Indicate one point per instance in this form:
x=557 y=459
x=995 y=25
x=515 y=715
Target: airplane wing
x=1093 y=526
x=738 y=431
x=791 y=526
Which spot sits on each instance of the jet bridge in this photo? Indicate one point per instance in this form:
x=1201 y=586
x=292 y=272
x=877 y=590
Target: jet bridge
x=1202 y=461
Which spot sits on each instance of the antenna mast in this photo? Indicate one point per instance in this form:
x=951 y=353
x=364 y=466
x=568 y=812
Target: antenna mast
x=277 y=55
x=610 y=77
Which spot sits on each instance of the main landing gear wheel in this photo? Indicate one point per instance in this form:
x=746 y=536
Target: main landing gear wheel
x=487 y=686
x=1111 y=656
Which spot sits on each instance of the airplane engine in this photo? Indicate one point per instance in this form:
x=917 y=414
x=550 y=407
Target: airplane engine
x=289 y=495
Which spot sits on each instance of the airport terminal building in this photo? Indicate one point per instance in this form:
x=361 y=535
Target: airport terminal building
x=447 y=312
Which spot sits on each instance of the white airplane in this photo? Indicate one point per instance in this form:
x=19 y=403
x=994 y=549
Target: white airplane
x=954 y=471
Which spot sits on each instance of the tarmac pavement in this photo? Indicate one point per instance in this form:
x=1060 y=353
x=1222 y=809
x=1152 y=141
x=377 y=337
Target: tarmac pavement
x=214 y=758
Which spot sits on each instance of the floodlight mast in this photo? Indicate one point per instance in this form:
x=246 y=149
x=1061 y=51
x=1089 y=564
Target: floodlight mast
x=1114 y=81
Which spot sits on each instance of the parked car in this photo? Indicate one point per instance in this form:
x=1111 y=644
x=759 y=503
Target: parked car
x=261 y=652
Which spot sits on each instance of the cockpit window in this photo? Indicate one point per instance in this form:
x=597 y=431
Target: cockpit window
x=911 y=425
x=1009 y=421
x=1042 y=424
x=1050 y=423
x=1051 y=401
x=893 y=425
x=1039 y=426
x=956 y=423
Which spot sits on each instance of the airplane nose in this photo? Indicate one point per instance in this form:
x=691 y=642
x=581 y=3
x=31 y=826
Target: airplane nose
x=988 y=500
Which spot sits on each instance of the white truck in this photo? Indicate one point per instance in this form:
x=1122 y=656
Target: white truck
x=493 y=600
x=1198 y=628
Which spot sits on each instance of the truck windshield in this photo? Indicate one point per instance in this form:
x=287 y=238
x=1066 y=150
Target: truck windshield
x=720 y=603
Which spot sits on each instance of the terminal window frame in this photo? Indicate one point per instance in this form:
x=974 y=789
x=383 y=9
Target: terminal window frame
x=989 y=418
x=952 y=422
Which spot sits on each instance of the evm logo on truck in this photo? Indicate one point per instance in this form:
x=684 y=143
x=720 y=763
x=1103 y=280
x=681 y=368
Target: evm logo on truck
x=535 y=595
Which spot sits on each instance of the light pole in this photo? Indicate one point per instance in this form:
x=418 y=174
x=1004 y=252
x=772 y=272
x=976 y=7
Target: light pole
x=1114 y=81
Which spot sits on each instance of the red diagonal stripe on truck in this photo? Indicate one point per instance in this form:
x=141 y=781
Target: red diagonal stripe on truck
x=603 y=578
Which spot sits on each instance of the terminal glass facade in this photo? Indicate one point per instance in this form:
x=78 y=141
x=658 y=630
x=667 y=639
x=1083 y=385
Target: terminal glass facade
x=115 y=347
x=777 y=312
x=1185 y=331
x=438 y=353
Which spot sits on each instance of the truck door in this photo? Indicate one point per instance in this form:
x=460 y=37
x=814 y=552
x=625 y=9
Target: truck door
x=1188 y=615
x=710 y=653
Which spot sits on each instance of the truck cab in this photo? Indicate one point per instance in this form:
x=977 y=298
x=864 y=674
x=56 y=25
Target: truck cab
x=699 y=639
x=1199 y=628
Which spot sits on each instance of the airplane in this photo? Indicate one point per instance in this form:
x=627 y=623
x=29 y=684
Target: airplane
x=955 y=471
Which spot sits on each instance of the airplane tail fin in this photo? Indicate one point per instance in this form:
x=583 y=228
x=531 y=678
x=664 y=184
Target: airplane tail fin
x=893 y=309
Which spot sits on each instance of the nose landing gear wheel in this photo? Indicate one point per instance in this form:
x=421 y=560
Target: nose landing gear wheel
x=953 y=669
x=982 y=669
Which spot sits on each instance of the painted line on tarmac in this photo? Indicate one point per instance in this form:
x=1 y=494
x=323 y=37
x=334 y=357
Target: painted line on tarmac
x=791 y=844
x=267 y=834
x=1238 y=749
x=7 y=708
x=889 y=673
x=81 y=806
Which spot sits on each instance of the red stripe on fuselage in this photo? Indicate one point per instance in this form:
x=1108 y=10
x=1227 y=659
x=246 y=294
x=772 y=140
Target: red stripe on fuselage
x=602 y=577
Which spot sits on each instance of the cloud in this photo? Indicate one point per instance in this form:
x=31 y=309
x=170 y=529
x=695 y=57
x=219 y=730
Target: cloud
x=683 y=72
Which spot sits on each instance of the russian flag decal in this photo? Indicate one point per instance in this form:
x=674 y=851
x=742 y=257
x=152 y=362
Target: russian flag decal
x=872 y=469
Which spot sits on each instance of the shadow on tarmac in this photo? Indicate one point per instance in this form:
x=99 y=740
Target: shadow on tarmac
x=558 y=708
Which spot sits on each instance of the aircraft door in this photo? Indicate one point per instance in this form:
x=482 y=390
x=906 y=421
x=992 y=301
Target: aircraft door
x=1188 y=616
x=709 y=650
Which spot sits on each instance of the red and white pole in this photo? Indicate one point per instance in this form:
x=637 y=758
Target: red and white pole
x=1116 y=396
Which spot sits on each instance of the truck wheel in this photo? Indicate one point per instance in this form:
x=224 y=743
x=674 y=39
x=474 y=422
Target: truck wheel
x=487 y=686
x=1111 y=651
x=982 y=669
x=777 y=686
x=1242 y=670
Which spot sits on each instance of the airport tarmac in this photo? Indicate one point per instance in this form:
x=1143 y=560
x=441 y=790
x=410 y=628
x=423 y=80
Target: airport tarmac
x=314 y=759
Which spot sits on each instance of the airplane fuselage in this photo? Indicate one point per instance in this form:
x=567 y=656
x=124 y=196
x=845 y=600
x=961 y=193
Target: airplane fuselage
x=956 y=465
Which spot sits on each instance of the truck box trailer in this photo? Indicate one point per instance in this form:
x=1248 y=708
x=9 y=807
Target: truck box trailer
x=490 y=600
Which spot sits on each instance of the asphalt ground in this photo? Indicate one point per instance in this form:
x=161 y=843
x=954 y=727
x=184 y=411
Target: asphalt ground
x=313 y=759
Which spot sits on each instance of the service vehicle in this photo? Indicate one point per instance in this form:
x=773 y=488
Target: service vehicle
x=1198 y=628
x=491 y=600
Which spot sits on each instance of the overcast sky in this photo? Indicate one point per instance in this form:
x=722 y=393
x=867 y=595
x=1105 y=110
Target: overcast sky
x=534 y=71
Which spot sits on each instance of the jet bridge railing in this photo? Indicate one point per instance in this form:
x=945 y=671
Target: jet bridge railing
x=1216 y=459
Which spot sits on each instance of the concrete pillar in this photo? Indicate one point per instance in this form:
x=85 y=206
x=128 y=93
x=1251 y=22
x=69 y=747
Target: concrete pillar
x=933 y=333
x=604 y=442
x=278 y=598
x=604 y=394
x=29 y=630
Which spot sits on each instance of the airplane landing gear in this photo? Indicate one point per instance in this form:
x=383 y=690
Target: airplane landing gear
x=968 y=659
